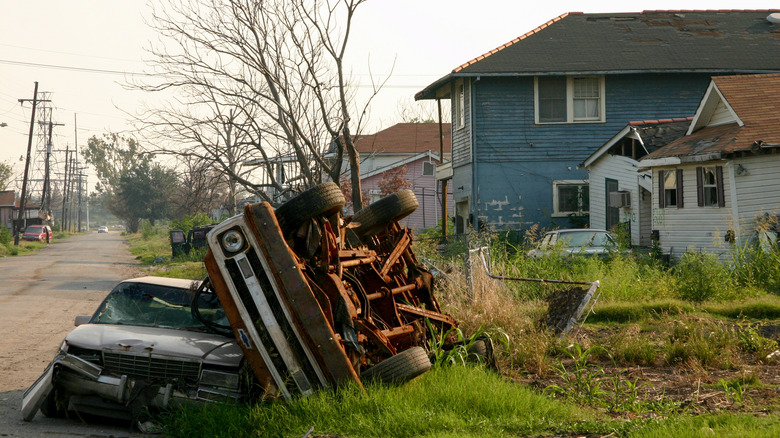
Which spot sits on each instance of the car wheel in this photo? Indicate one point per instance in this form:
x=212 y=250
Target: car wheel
x=482 y=350
x=321 y=200
x=400 y=368
x=49 y=406
x=376 y=216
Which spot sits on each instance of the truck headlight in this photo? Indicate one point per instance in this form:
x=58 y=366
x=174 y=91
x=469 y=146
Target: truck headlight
x=232 y=241
x=219 y=379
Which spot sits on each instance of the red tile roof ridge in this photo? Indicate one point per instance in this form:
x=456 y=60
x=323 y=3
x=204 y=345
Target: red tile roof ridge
x=659 y=121
x=516 y=40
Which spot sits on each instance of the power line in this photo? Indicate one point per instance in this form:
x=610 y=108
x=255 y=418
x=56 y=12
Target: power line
x=71 y=68
x=128 y=73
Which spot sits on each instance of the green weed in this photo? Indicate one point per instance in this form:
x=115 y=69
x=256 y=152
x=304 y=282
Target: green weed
x=581 y=380
x=735 y=392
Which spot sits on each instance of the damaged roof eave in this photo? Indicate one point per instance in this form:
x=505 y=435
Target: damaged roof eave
x=684 y=159
x=437 y=89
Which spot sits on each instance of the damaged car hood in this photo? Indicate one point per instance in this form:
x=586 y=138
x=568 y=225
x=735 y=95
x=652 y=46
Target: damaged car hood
x=207 y=347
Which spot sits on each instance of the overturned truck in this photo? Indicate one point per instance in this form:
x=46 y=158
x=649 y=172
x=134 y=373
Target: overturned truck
x=317 y=300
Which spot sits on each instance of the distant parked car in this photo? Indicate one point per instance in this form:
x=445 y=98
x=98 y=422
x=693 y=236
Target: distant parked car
x=103 y=230
x=145 y=348
x=584 y=241
x=41 y=233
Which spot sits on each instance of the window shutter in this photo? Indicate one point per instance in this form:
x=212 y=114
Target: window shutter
x=661 y=189
x=700 y=186
x=719 y=176
x=679 y=188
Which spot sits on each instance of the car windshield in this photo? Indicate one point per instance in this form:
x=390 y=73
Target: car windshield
x=578 y=239
x=34 y=229
x=150 y=305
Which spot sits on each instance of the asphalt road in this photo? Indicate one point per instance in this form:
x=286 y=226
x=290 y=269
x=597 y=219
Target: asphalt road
x=40 y=295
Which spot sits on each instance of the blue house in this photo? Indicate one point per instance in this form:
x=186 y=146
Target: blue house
x=527 y=113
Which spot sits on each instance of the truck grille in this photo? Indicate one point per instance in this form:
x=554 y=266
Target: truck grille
x=245 y=296
x=150 y=368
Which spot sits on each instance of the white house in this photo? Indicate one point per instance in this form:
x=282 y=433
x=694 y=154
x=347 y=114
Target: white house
x=620 y=191
x=711 y=186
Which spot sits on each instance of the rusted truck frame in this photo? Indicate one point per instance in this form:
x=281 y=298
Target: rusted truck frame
x=316 y=300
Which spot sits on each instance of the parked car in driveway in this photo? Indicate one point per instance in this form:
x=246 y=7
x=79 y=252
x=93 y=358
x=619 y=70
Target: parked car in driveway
x=584 y=241
x=144 y=348
x=40 y=233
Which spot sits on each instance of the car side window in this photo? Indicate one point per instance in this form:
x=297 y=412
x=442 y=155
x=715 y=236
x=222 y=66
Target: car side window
x=601 y=239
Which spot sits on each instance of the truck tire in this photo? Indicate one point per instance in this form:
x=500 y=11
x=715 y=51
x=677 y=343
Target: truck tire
x=321 y=200
x=400 y=368
x=378 y=215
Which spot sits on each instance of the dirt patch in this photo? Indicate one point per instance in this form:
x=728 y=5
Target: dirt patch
x=747 y=386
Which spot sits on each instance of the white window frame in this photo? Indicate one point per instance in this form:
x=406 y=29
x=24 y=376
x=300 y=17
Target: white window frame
x=669 y=189
x=570 y=118
x=460 y=105
x=569 y=182
x=706 y=187
x=432 y=167
x=374 y=195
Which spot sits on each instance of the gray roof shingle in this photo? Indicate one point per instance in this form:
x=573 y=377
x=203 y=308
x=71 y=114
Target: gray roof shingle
x=722 y=41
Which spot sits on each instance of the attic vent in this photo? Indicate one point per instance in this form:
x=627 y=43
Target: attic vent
x=428 y=168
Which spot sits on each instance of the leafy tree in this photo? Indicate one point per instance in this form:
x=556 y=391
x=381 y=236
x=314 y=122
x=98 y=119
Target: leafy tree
x=394 y=180
x=131 y=185
x=6 y=175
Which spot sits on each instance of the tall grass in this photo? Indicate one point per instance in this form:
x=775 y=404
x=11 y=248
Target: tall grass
x=721 y=425
x=445 y=402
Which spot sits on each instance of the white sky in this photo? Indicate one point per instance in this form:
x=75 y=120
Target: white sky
x=425 y=38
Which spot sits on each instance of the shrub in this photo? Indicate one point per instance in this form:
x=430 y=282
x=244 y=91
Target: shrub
x=700 y=277
x=190 y=221
x=754 y=266
x=5 y=236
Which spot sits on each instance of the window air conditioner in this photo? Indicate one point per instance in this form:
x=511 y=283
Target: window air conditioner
x=620 y=199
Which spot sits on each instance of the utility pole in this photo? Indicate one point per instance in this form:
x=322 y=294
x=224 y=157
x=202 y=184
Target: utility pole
x=76 y=145
x=46 y=197
x=26 y=165
x=65 y=188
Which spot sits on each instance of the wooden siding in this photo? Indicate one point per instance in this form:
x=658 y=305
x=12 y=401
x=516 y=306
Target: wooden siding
x=517 y=195
x=624 y=171
x=721 y=115
x=428 y=214
x=757 y=190
x=461 y=136
x=517 y=160
x=692 y=228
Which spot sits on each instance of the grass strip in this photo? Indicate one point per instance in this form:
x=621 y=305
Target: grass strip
x=449 y=402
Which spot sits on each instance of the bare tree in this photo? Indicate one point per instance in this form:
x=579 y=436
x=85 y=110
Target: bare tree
x=260 y=80
x=203 y=188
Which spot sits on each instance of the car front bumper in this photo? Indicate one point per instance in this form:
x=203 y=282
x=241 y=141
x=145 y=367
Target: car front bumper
x=82 y=378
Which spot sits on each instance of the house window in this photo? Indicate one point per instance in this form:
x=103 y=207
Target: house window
x=586 y=98
x=374 y=195
x=460 y=105
x=427 y=168
x=570 y=197
x=670 y=188
x=569 y=99
x=552 y=99
x=709 y=183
